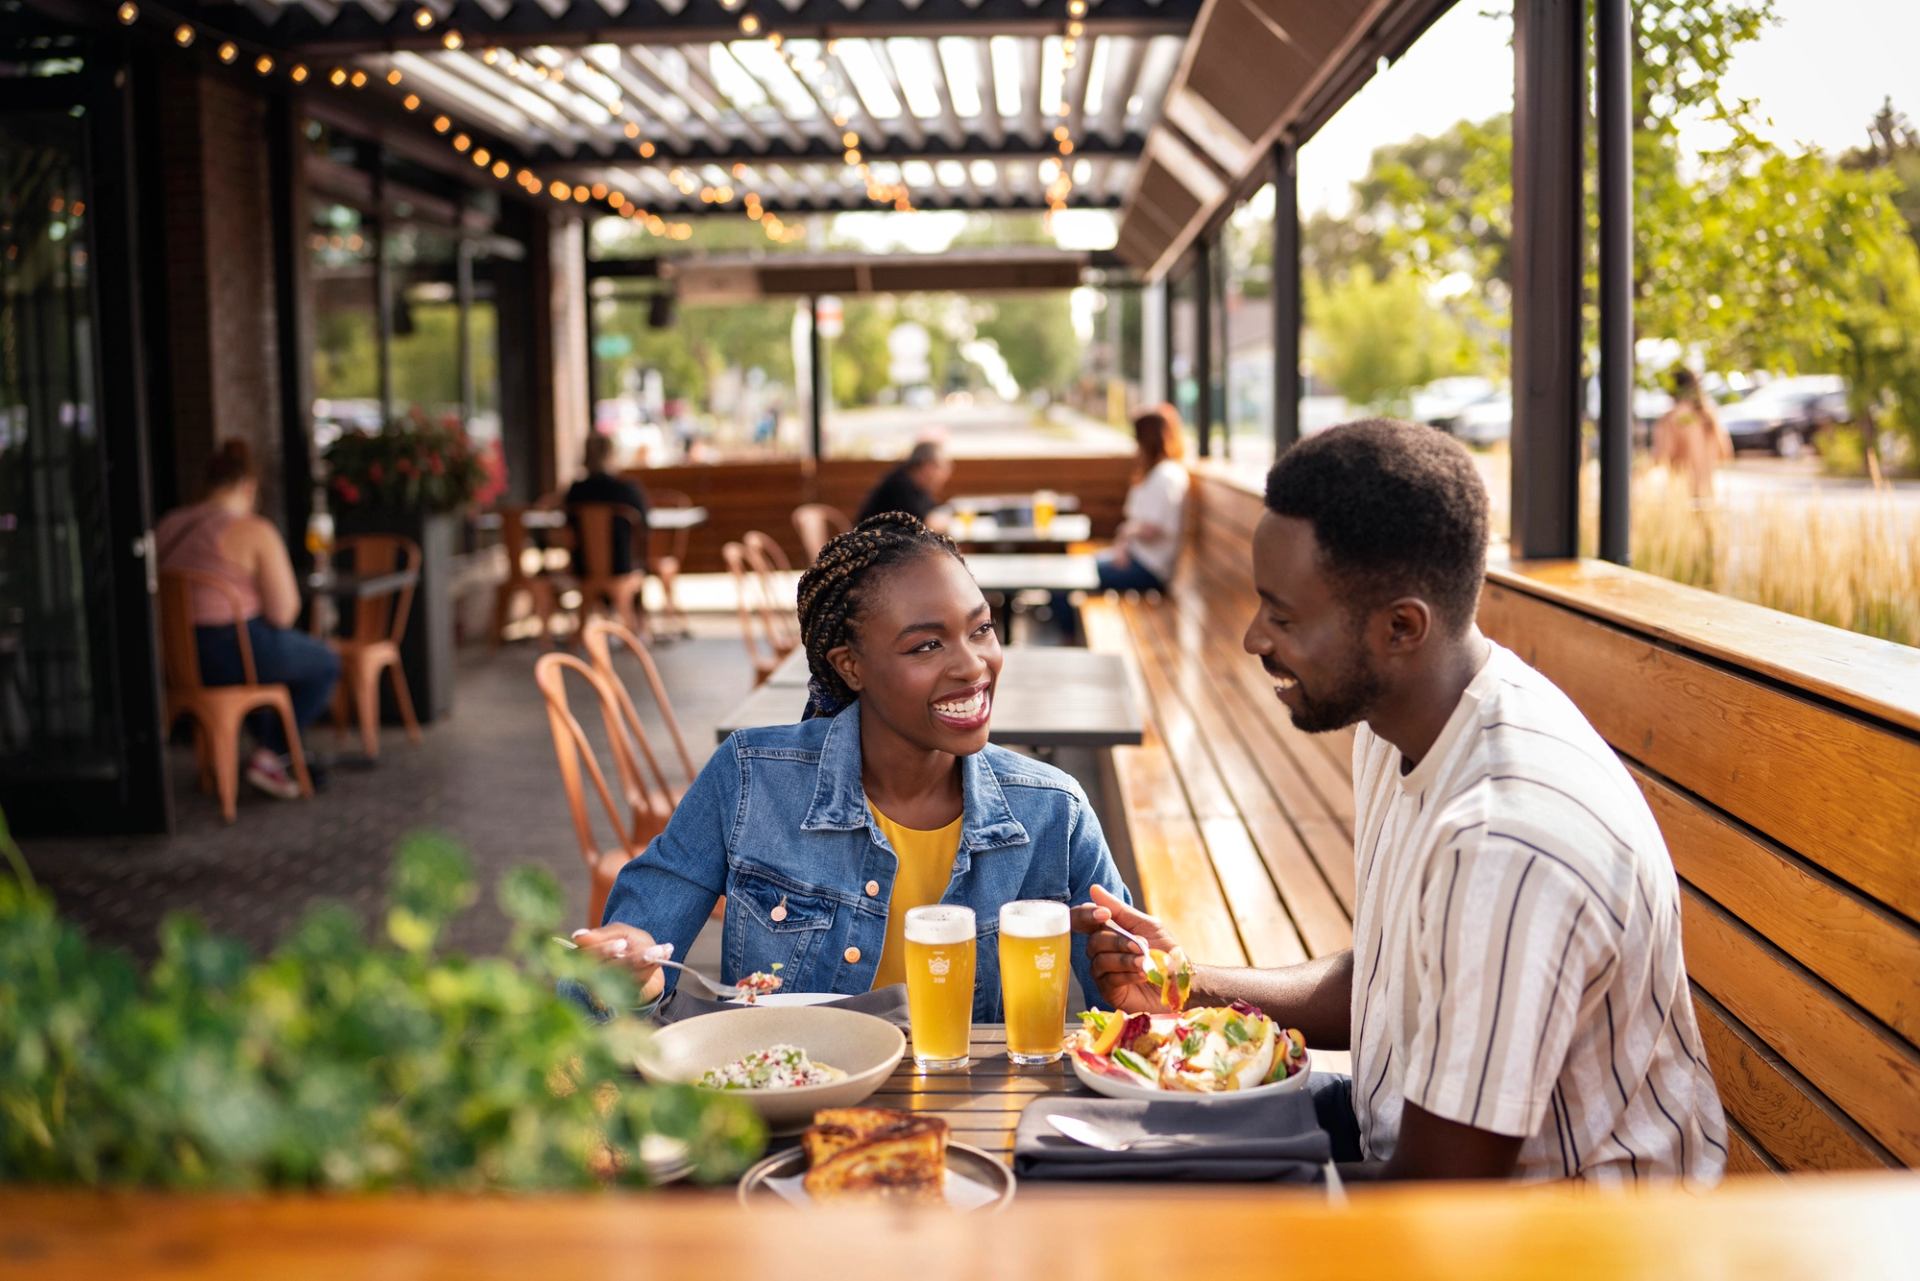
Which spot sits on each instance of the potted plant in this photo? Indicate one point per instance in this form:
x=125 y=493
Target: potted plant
x=346 y=1060
x=415 y=477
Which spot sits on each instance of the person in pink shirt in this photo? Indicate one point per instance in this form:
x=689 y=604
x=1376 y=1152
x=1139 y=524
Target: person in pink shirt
x=222 y=536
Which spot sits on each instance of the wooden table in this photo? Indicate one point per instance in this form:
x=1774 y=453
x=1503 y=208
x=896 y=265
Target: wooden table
x=1860 y=1227
x=1002 y=575
x=662 y=518
x=983 y=532
x=1047 y=696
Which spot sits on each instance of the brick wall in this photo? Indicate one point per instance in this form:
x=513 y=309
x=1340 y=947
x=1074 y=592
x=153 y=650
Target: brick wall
x=216 y=276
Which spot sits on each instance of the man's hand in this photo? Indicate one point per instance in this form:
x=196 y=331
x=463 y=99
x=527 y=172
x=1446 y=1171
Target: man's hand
x=1118 y=964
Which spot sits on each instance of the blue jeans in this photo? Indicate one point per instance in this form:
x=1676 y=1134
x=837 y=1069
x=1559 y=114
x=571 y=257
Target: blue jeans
x=281 y=656
x=1333 y=1108
x=1135 y=577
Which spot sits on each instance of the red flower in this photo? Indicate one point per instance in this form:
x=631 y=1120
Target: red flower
x=436 y=465
x=405 y=466
x=346 y=489
x=374 y=472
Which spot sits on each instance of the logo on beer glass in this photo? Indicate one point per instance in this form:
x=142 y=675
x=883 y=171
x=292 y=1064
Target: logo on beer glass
x=938 y=965
x=1043 y=960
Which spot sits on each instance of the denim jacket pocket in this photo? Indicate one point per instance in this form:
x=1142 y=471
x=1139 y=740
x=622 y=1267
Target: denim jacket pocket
x=768 y=924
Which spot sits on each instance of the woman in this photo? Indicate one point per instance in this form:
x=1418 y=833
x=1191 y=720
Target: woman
x=1690 y=440
x=222 y=537
x=823 y=834
x=1148 y=542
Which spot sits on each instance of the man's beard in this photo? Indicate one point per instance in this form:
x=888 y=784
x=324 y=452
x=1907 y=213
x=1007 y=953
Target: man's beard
x=1347 y=701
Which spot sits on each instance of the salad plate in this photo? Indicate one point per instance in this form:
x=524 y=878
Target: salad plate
x=1203 y=1055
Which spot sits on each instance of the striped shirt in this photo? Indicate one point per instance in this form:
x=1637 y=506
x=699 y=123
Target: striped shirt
x=1517 y=961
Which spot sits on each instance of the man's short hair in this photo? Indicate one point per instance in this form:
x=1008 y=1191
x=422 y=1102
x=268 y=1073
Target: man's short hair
x=927 y=451
x=1397 y=509
x=598 y=451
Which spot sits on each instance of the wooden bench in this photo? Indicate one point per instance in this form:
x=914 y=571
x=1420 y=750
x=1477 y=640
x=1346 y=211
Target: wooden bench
x=1781 y=758
x=1241 y=826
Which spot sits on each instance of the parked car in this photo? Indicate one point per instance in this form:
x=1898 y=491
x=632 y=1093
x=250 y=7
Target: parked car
x=1440 y=402
x=1782 y=416
x=1486 y=422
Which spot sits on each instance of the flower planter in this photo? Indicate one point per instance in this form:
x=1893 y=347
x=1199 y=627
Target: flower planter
x=426 y=651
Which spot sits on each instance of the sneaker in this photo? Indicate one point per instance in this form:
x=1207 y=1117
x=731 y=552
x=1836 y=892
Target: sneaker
x=268 y=772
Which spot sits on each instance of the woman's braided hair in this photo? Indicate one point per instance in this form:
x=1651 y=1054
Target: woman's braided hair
x=833 y=593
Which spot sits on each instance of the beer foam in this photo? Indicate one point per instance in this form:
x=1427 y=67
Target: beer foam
x=1035 y=919
x=943 y=924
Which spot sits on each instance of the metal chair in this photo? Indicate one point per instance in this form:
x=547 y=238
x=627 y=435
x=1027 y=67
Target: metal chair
x=542 y=598
x=667 y=554
x=596 y=526
x=601 y=634
x=577 y=761
x=373 y=646
x=769 y=562
x=217 y=710
x=817 y=524
x=750 y=598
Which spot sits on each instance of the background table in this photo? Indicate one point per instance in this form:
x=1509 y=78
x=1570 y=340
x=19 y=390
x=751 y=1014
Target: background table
x=1052 y=696
x=1063 y=530
x=664 y=518
x=1034 y=571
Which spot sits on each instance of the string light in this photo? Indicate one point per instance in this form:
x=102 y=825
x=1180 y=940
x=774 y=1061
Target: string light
x=481 y=157
x=394 y=77
x=461 y=142
x=229 y=51
x=411 y=102
x=423 y=17
x=452 y=40
x=501 y=168
x=338 y=76
x=128 y=14
x=263 y=64
x=299 y=73
x=183 y=35
x=441 y=124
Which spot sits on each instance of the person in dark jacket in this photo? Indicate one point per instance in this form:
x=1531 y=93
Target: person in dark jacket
x=914 y=487
x=600 y=485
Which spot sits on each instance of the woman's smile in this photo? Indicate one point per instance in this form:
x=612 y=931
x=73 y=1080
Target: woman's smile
x=966 y=709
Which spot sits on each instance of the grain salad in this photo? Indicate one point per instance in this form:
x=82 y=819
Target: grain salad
x=778 y=1067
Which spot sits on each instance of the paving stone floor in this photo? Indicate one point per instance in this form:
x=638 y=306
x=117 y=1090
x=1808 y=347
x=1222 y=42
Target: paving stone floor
x=486 y=775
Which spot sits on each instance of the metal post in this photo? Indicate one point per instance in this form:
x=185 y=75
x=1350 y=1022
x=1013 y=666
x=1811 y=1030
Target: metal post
x=816 y=380
x=1286 y=295
x=1203 y=345
x=382 y=285
x=1613 y=54
x=1153 y=345
x=1549 y=54
x=463 y=295
x=1171 y=394
x=1222 y=284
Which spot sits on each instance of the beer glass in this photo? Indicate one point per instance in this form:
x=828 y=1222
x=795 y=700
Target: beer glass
x=1046 y=505
x=1035 y=955
x=940 y=965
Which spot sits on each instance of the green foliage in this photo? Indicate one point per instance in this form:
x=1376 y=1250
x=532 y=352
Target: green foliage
x=411 y=465
x=336 y=1062
x=1035 y=336
x=1374 y=341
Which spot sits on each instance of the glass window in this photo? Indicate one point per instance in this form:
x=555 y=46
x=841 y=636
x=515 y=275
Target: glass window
x=425 y=356
x=346 y=324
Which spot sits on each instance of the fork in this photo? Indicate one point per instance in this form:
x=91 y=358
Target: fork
x=718 y=991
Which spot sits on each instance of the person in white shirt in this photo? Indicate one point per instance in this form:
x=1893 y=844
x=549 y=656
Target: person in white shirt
x=1515 y=999
x=1148 y=542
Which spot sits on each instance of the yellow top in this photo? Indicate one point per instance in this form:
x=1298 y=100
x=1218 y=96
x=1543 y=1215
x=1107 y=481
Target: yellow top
x=925 y=865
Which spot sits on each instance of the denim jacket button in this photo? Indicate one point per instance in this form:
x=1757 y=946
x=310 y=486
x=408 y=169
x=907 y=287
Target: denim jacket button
x=779 y=912
x=873 y=889
x=853 y=955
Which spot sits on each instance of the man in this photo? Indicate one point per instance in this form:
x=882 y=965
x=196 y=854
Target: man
x=1515 y=998
x=914 y=486
x=600 y=485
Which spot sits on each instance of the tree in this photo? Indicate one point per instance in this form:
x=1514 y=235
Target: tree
x=1374 y=341
x=1035 y=335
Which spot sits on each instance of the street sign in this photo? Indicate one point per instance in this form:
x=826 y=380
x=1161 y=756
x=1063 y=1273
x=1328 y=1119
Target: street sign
x=830 y=316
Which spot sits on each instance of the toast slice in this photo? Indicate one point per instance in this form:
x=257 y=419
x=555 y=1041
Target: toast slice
x=906 y=1161
x=860 y=1121
x=821 y=1142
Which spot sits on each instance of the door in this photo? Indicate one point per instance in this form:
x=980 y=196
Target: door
x=80 y=740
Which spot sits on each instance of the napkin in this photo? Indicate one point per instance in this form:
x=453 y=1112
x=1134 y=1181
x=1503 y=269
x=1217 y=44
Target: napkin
x=889 y=1003
x=1260 y=1140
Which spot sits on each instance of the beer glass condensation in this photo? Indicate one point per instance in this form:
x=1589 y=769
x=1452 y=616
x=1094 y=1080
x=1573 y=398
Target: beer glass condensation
x=1036 y=953
x=940 y=966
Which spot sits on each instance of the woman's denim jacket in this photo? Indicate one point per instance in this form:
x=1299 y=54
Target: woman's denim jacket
x=778 y=822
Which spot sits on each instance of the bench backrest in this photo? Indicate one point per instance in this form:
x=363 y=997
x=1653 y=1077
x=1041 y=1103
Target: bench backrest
x=1782 y=760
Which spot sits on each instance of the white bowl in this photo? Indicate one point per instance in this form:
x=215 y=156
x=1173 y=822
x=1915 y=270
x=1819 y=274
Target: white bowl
x=1115 y=1088
x=864 y=1047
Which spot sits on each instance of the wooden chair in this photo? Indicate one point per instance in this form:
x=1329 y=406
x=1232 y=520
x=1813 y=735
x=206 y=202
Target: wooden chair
x=542 y=598
x=217 y=710
x=667 y=553
x=373 y=646
x=601 y=634
x=750 y=596
x=769 y=563
x=595 y=527
x=576 y=759
x=816 y=523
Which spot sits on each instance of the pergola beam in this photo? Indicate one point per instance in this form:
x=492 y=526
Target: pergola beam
x=357 y=29
x=854 y=200
x=872 y=148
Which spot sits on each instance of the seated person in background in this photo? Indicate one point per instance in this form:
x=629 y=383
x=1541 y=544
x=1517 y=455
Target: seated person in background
x=1515 y=998
x=822 y=835
x=222 y=537
x=600 y=485
x=1147 y=544
x=914 y=487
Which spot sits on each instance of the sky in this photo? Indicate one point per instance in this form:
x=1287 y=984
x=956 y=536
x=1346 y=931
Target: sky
x=1818 y=74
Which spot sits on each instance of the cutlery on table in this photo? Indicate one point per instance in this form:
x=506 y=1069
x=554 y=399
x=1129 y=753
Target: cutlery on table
x=717 y=991
x=1095 y=1136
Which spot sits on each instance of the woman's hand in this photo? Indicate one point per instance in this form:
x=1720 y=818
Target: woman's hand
x=633 y=948
x=1118 y=964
